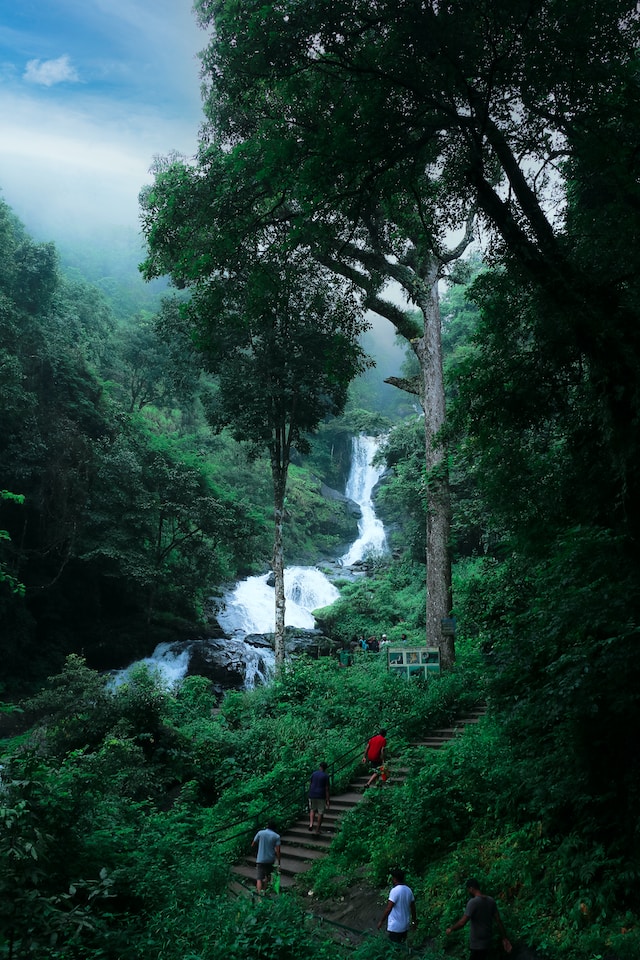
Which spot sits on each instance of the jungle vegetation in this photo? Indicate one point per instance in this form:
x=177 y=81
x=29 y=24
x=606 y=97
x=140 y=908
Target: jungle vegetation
x=121 y=507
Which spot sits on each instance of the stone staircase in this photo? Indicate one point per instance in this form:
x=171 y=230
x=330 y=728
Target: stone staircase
x=301 y=848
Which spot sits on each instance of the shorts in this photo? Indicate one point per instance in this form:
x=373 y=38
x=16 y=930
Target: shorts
x=396 y=937
x=318 y=803
x=264 y=870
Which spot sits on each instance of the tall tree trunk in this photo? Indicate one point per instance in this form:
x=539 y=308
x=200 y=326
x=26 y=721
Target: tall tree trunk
x=428 y=350
x=279 y=475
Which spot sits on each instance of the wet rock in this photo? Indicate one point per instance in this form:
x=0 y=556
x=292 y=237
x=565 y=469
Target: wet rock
x=352 y=508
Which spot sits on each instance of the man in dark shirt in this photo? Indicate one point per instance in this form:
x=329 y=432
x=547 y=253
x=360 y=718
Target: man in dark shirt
x=480 y=911
x=318 y=795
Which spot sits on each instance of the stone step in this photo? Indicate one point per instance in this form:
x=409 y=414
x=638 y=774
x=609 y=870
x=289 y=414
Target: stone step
x=294 y=852
x=332 y=817
x=302 y=847
x=347 y=799
x=239 y=889
x=291 y=866
x=321 y=842
x=301 y=827
x=245 y=876
x=302 y=834
x=291 y=857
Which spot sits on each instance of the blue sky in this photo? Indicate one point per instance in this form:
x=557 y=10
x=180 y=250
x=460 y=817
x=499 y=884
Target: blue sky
x=90 y=92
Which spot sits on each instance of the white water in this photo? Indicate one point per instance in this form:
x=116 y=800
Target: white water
x=170 y=665
x=249 y=608
x=362 y=479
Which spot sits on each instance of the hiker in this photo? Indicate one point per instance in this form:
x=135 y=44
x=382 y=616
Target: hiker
x=480 y=912
x=268 y=843
x=374 y=755
x=344 y=657
x=318 y=795
x=374 y=645
x=400 y=909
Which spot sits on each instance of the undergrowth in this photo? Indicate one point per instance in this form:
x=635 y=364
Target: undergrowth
x=123 y=809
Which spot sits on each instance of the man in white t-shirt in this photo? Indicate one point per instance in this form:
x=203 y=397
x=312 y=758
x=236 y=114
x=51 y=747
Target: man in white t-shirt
x=400 y=911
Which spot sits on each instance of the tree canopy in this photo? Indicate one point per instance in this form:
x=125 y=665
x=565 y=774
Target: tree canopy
x=373 y=133
x=277 y=330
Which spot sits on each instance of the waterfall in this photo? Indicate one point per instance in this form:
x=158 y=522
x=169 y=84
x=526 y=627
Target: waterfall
x=362 y=480
x=168 y=663
x=250 y=606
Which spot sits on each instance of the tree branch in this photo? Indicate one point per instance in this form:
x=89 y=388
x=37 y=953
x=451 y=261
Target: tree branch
x=402 y=383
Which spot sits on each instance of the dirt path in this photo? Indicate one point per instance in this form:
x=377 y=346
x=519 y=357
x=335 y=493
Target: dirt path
x=352 y=917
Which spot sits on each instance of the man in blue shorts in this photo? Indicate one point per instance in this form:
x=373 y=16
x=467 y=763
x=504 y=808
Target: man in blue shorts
x=318 y=795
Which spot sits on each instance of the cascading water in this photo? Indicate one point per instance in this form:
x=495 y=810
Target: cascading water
x=249 y=608
x=169 y=663
x=362 y=480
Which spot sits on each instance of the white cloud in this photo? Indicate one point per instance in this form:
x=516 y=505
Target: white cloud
x=67 y=166
x=79 y=132
x=49 y=72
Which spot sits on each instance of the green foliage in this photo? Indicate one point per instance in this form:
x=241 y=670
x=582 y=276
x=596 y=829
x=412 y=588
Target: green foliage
x=275 y=930
x=11 y=583
x=137 y=787
x=402 y=499
x=133 y=511
x=117 y=806
x=391 y=600
x=120 y=805
x=380 y=948
x=314 y=525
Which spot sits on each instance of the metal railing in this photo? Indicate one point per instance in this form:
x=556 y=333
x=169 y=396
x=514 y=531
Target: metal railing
x=292 y=802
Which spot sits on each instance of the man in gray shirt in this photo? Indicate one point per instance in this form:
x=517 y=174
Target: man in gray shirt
x=268 y=843
x=480 y=911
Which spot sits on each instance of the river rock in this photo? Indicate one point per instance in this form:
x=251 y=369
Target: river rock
x=297 y=640
x=232 y=664
x=225 y=662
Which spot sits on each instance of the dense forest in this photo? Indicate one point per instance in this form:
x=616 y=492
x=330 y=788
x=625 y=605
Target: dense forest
x=483 y=159
x=123 y=509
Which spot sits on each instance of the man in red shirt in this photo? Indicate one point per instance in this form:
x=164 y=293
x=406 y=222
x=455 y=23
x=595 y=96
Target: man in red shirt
x=374 y=755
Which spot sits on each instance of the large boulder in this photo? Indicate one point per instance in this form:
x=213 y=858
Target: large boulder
x=231 y=663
